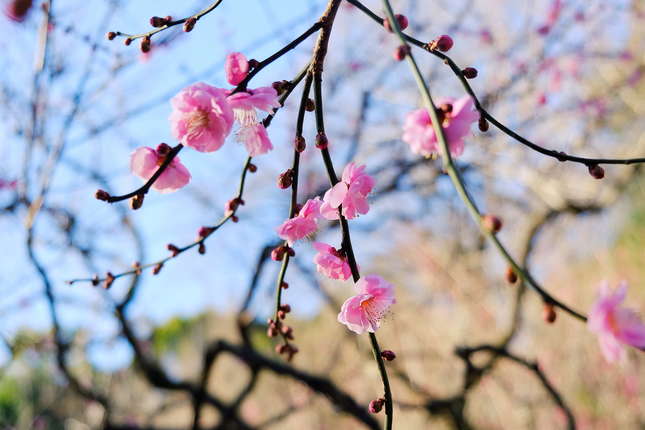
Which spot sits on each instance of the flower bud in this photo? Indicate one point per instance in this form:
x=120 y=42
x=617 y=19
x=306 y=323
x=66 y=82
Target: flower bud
x=469 y=73
x=277 y=254
x=321 y=141
x=285 y=179
x=127 y=41
x=310 y=105
x=284 y=285
x=442 y=43
x=157 y=268
x=388 y=355
x=511 y=276
x=300 y=144
x=548 y=313
x=137 y=201
x=252 y=168
x=401 y=52
x=189 y=24
x=109 y=279
x=400 y=19
x=596 y=171
x=157 y=21
x=483 y=124
x=204 y=232
x=102 y=195
x=376 y=405
x=201 y=248
x=95 y=280
x=491 y=223
x=286 y=308
x=174 y=250
x=110 y=35
x=145 y=44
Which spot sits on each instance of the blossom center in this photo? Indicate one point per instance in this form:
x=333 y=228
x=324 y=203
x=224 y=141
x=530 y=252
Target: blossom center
x=197 y=121
x=371 y=309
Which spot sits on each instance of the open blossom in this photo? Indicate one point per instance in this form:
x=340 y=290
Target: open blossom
x=330 y=262
x=303 y=224
x=236 y=67
x=351 y=192
x=615 y=325
x=202 y=117
x=419 y=134
x=363 y=312
x=255 y=138
x=145 y=161
x=252 y=133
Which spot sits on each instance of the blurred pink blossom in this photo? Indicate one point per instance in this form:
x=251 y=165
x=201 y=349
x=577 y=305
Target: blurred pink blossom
x=202 y=117
x=615 y=325
x=330 y=262
x=17 y=10
x=419 y=134
x=145 y=161
x=236 y=67
x=351 y=192
x=364 y=311
x=303 y=224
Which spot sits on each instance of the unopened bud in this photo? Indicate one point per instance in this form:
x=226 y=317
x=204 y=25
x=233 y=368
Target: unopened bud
x=145 y=44
x=110 y=35
x=483 y=124
x=400 y=19
x=376 y=406
x=137 y=268
x=401 y=52
x=278 y=253
x=127 y=41
x=442 y=43
x=137 y=201
x=173 y=249
x=491 y=223
x=285 y=179
x=596 y=171
x=300 y=144
x=469 y=73
x=511 y=276
x=284 y=285
x=95 y=280
x=548 y=313
x=157 y=21
x=252 y=168
x=157 y=268
x=310 y=105
x=189 y=24
x=286 y=308
x=109 y=279
x=388 y=355
x=321 y=141
x=102 y=195
x=272 y=331
x=201 y=248
x=204 y=232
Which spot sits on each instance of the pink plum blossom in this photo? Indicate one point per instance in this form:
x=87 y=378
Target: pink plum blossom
x=419 y=134
x=350 y=194
x=202 y=117
x=244 y=103
x=255 y=138
x=303 y=224
x=330 y=262
x=252 y=133
x=145 y=161
x=364 y=311
x=615 y=325
x=237 y=67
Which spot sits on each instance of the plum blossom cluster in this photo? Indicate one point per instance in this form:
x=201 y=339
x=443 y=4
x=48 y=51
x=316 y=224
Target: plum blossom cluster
x=202 y=118
x=363 y=311
x=456 y=117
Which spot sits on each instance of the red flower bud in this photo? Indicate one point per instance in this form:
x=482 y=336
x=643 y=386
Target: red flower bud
x=548 y=313
x=110 y=35
x=442 y=43
x=491 y=223
x=469 y=73
x=401 y=52
x=388 y=355
x=376 y=405
x=596 y=171
x=511 y=276
x=300 y=144
x=321 y=141
x=400 y=19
